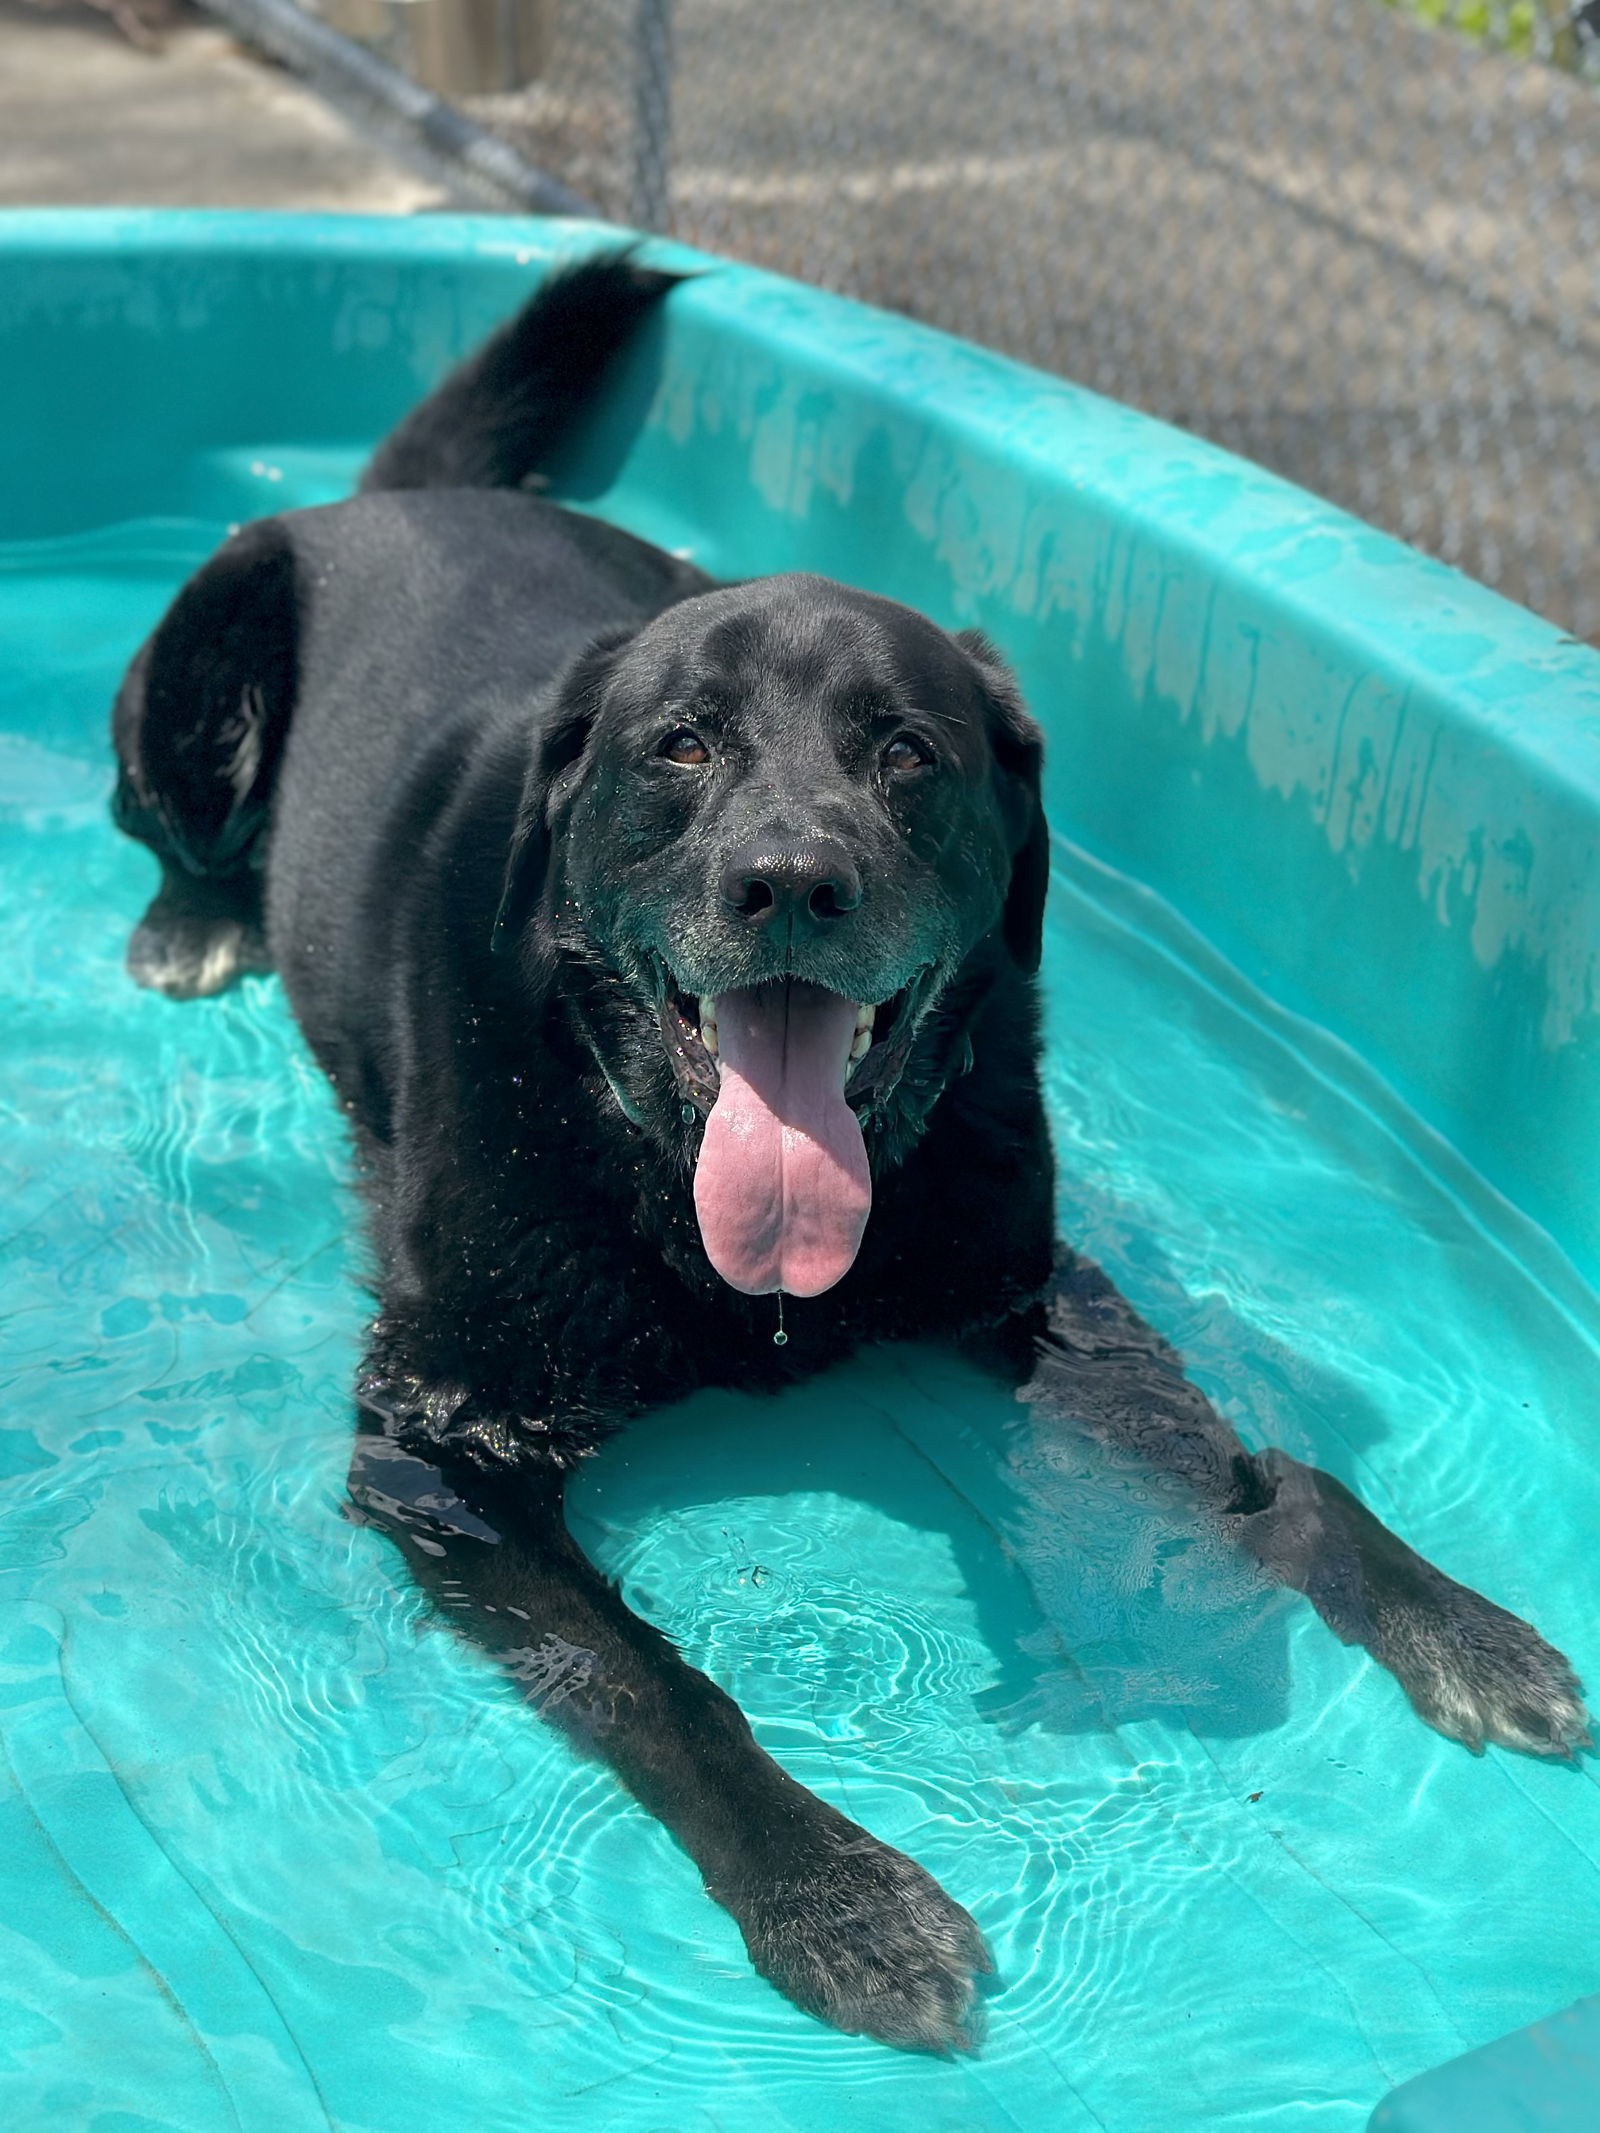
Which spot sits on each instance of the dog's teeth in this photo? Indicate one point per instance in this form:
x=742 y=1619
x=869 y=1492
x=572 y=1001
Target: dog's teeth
x=708 y=1023
x=861 y=1042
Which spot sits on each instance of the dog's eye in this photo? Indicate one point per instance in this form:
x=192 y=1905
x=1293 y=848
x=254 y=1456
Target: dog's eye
x=907 y=752
x=682 y=746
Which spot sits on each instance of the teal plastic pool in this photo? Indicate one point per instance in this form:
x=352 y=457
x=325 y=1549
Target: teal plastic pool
x=1324 y=1056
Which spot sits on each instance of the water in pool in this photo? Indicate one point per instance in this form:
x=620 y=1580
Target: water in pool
x=283 y=1855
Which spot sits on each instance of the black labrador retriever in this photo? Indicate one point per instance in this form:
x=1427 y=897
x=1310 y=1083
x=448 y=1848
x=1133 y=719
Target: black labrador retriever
x=671 y=947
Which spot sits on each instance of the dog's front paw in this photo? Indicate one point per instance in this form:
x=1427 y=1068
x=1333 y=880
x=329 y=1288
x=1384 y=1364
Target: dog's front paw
x=1478 y=1673
x=860 y=1936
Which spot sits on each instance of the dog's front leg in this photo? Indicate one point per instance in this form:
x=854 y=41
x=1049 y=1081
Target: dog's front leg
x=851 y=1930
x=1470 y=1669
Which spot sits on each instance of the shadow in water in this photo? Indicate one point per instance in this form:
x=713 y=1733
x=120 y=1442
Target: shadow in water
x=1100 y=1595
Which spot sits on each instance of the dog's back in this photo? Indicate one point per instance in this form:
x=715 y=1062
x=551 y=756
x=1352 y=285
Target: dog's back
x=431 y=628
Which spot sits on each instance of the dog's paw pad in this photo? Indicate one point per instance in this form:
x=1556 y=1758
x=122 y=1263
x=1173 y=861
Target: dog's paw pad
x=1485 y=1677
x=189 y=959
x=869 y=1942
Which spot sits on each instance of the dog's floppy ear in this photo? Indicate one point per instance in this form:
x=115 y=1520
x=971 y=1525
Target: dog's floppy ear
x=550 y=780
x=1018 y=747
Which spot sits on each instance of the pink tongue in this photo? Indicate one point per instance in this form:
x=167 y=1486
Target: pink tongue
x=782 y=1188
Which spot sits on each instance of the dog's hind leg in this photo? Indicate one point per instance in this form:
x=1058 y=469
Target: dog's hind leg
x=199 y=726
x=1471 y=1669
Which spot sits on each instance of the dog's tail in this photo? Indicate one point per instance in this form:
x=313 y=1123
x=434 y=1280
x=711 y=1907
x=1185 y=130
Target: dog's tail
x=499 y=415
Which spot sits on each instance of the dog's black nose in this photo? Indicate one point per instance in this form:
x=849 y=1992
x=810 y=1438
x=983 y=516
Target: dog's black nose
x=807 y=881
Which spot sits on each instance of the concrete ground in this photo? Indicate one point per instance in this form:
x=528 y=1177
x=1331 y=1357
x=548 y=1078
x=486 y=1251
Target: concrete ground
x=87 y=118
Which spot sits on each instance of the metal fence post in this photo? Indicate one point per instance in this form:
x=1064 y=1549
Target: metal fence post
x=650 y=197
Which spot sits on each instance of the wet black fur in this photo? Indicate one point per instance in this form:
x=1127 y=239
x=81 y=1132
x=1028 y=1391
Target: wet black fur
x=407 y=749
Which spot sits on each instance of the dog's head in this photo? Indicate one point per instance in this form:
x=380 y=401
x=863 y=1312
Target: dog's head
x=781 y=840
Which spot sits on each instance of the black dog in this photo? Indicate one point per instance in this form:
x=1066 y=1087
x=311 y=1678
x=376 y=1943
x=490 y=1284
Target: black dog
x=670 y=945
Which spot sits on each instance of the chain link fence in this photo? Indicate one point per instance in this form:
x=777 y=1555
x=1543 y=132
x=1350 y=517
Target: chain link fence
x=1356 y=248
